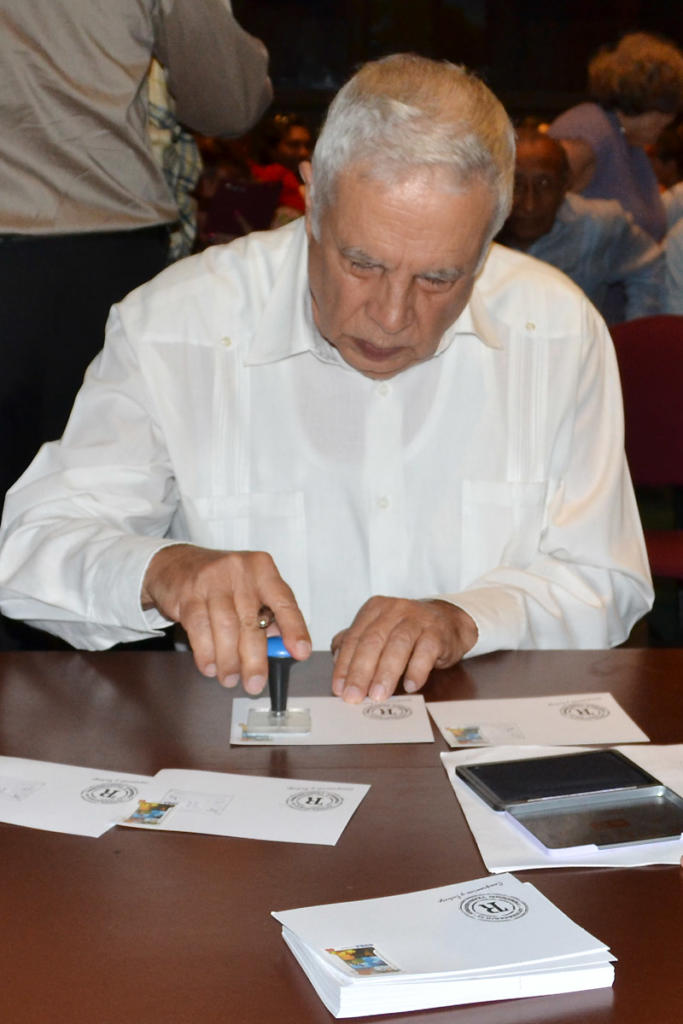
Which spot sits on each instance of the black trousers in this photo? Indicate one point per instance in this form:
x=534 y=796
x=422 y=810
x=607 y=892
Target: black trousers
x=55 y=296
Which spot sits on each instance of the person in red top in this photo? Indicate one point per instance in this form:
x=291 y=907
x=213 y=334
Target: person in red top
x=285 y=141
x=291 y=195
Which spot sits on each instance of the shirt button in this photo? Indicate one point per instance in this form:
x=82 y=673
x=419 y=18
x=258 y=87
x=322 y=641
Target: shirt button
x=383 y=388
x=383 y=502
x=226 y=342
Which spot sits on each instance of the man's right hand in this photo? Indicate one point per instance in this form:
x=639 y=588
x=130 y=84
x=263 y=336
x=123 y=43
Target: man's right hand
x=216 y=596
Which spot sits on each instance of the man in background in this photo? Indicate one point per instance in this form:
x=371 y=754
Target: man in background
x=594 y=241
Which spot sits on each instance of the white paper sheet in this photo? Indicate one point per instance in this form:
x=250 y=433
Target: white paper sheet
x=401 y=719
x=504 y=847
x=584 y=718
x=65 y=798
x=247 y=806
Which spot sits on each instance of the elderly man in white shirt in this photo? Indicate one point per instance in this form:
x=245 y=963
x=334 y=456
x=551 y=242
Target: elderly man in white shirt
x=402 y=443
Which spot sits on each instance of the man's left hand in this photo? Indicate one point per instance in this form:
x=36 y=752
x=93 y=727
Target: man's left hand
x=392 y=637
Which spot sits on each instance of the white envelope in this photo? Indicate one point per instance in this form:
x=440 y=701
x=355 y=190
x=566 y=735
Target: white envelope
x=401 y=719
x=65 y=798
x=246 y=806
x=583 y=718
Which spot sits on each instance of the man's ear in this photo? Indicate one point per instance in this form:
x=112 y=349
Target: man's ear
x=306 y=172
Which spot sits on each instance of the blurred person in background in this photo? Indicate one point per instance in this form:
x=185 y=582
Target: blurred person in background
x=594 y=241
x=251 y=183
x=281 y=144
x=286 y=140
x=637 y=90
x=667 y=159
x=666 y=155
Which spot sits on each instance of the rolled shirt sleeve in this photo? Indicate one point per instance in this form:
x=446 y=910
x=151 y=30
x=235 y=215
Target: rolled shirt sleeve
x=216 y=71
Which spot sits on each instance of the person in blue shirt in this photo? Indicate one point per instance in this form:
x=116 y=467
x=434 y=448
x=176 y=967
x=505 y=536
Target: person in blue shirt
x=594 y=241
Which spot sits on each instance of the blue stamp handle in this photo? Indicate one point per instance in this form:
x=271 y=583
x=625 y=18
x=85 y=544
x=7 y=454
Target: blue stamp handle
x=279 y=663
x=276 y=648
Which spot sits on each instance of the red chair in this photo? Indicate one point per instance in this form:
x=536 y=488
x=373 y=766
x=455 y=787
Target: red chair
x=650 y=356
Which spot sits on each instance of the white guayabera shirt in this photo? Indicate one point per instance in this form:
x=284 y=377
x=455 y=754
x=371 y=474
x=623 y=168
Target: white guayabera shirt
x=492 y=474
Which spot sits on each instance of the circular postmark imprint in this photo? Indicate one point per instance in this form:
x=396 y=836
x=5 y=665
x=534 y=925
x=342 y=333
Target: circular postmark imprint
x=494 y=908
x=109 y=793
x=387 y=712
x=584 y=711
x=314 y=800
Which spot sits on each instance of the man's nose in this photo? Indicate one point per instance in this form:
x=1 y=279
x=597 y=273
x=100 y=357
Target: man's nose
x=390 y=305
x=527 y=199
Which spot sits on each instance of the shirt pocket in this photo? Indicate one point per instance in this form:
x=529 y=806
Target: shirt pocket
x=501 y=525
x=274 y=522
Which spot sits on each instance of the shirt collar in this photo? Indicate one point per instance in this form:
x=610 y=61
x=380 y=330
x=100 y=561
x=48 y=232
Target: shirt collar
x=475 y=319
x=287 y=327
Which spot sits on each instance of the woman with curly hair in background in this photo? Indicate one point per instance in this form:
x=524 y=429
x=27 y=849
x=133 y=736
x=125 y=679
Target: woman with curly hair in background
x=637 y=90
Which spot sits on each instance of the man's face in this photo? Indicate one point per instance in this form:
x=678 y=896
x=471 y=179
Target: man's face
x=540 y=186
x=395 y=265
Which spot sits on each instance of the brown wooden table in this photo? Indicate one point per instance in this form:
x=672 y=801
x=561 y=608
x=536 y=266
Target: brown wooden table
x=141 y=928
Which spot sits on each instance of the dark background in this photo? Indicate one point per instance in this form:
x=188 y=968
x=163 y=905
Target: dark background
x=532 y=53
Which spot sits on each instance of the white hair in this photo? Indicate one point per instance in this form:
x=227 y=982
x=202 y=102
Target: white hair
x=406 y=112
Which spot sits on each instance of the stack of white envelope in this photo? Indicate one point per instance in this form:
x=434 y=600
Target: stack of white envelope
x=492 y=938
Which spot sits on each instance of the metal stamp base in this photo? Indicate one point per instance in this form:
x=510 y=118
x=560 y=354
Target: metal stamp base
x=265 y=722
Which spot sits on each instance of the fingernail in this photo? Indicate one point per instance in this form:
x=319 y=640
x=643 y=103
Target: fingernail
x=302 y=649
x=255 y=684
x=352 y=695
x=379 y=692
x=410 y=686
x=210 y=670
x=231 y=680
x=337 y=687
